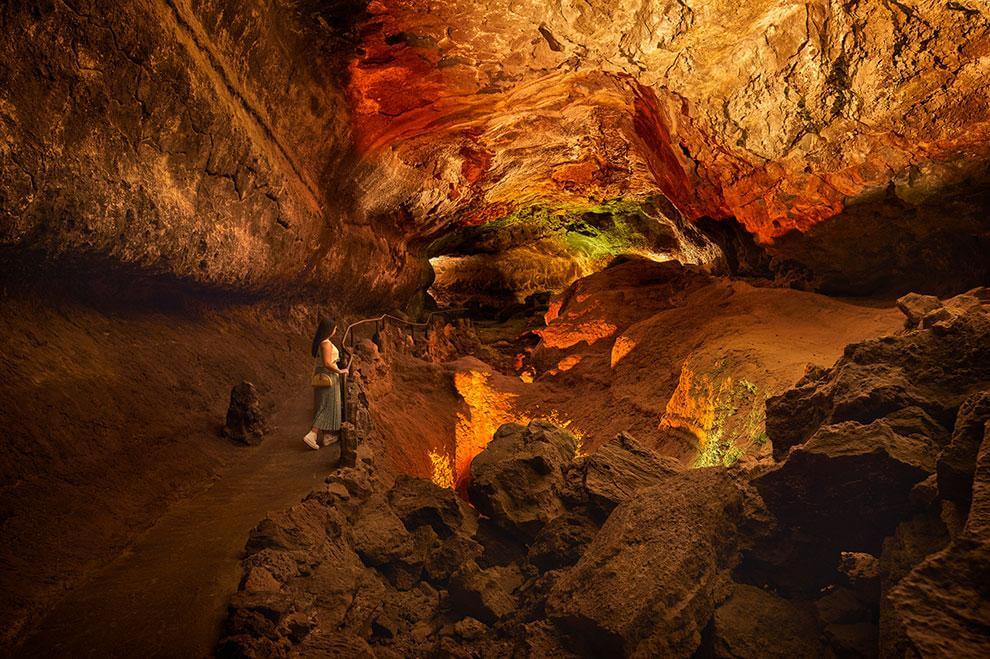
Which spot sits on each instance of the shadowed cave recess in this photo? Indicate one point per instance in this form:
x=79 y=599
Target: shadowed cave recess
x=687 y=346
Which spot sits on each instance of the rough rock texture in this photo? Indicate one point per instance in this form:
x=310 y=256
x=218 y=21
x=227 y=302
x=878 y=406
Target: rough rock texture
x=755 y=623
x=245 y=421
x=243 y=144
x=848 y=466
x=543 y=249
x=618 y=470
x=203 y=140
x=643 y=339
x=949 y=360
x=874 y=450
x=410 y=569
x=518 y=480
x=957 y=462
x=648 y=583
x=854 y=125
x=847 y=547
x=598 y=307
x=942 y=605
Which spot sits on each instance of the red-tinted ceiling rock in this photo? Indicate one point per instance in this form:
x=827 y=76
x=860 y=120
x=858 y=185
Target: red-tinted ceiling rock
x=780 y=113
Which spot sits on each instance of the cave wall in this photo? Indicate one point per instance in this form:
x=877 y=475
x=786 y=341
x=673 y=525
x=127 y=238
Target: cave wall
x=203 y=140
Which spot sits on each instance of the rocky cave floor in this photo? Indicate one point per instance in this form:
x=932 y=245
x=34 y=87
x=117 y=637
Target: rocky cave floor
x=657 y=485
x=865 y=532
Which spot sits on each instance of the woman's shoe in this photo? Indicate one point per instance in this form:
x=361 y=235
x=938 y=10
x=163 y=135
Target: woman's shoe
x=310 y=440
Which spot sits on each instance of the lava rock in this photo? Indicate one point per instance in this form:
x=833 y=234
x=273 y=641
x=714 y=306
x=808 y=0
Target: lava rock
x=647 y=585
x=848 y=486
x=978 y=521
x=419 y=502
x=940 y=607
x=245 y=421
x=934 y=368
x=485 y=594
x=753 y=623
x=518 y=479
x=451 y=553
x=617 y=470
x=958 y=461
x=302 y=527
x=561 y=541
x=856 y=639
x=381 y=540
x=842 y=606
x=914 y=540
x=916 y=306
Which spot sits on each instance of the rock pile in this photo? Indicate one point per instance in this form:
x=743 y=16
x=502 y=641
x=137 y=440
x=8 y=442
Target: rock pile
x=869 y=536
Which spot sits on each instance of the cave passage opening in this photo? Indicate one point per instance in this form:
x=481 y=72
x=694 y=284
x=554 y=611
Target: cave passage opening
x=540 y=249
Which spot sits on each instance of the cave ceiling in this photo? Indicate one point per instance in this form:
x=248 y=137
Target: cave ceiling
x=779 y=113
x=334 y=147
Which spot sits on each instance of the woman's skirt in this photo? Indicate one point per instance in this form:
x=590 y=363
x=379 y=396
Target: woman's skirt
x=326 y=402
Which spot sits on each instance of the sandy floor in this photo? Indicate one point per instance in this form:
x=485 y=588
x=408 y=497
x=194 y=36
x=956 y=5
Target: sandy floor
x=167 y=593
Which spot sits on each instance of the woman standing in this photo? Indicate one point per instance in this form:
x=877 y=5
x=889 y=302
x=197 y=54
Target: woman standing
x=326 y=386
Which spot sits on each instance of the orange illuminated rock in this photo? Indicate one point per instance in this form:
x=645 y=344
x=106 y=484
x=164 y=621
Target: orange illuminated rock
x=597 y=307
x=758 y=110
x=488 y=401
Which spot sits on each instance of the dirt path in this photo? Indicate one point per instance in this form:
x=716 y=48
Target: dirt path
x=166 y=595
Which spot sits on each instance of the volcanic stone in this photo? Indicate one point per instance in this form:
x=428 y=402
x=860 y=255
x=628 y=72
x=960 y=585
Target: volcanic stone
x=245 y=421
x=518 y=480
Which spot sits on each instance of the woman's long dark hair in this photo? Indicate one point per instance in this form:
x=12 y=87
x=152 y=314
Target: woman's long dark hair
x=323 y=331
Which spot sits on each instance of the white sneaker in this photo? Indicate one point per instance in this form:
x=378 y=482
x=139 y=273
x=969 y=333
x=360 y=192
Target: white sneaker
x=310 y=440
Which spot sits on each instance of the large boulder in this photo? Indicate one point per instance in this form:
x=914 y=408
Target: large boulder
x=561 y=541
x=755 y=624
x=916 y=306
x=958 y=461
x=518 y=480
x=419 y=502
x=485 y=594
x=382 y=541
x=915 y=539
x=618 y=553
x=648 y=583
x=849 y=484
x=616 y=471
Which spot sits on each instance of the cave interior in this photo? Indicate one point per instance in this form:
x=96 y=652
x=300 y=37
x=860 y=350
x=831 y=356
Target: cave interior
x=665 y=325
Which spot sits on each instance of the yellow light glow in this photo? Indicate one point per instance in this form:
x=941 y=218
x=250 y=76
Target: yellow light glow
x=621 y=348
x=443 y=470
x=488 y=408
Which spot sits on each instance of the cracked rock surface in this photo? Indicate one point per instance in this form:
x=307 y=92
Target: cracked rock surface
x=847 y=546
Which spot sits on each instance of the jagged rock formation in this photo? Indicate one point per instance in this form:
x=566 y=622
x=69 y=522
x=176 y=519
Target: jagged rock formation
x=643 y=339
x=245 y=421
x=848 y=546
x=317 y=147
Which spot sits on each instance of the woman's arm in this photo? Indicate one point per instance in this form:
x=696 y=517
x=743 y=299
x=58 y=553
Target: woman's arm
x=326 y=352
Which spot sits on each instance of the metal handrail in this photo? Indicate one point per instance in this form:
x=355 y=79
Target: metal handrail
x=350 y=356
x=389 y=316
